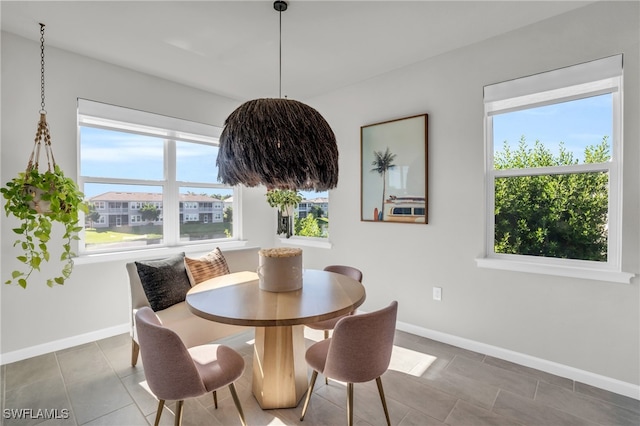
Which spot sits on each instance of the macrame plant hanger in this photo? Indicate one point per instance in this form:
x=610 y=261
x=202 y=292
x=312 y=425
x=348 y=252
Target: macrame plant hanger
x=38 y=199
x=43 y=137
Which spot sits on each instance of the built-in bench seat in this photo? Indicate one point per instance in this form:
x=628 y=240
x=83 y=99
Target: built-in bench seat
x=192 y=329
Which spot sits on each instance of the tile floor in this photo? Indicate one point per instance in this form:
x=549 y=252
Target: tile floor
x=428 y=383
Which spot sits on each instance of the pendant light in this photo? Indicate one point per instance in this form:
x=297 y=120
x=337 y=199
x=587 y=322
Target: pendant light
x=278 y=142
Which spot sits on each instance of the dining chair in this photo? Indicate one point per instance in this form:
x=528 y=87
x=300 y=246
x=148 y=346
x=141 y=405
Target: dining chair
x=328 y=325
x=358 y=351
x=175 y=373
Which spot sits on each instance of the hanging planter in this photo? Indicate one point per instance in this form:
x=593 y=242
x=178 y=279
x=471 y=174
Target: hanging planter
x=285 y=200
x=39 y=199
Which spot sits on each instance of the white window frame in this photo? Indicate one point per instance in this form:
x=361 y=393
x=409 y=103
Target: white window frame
x=575 y=82
x=110 y=117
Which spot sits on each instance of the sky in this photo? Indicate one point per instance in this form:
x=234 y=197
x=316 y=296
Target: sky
x=578 y=124
x=112 y=154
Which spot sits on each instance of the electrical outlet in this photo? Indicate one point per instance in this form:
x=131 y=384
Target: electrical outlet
x=437 y=293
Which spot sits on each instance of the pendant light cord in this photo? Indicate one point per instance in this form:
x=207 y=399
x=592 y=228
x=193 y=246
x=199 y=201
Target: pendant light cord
x=280 y=6
x=280 y=57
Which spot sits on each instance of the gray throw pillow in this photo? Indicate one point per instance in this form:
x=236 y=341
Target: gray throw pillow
x=165 y=281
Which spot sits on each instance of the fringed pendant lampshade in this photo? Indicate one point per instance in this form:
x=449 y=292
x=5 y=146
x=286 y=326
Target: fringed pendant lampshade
x=279 y=143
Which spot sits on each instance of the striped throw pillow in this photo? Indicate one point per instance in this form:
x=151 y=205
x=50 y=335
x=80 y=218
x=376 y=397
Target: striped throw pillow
x=212 y=265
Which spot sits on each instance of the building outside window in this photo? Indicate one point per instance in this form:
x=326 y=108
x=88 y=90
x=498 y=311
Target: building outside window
x=153 y=178
x=553 y=171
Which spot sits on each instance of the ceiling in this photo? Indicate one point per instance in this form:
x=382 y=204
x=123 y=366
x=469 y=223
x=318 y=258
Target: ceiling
x=232 y=47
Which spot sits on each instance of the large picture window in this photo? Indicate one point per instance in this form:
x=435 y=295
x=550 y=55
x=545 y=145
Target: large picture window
x=553 y=170
x=150 y=180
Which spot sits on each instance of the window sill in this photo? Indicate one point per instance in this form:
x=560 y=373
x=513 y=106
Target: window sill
x=307 y=242
x=557 y=270
x=154 y=253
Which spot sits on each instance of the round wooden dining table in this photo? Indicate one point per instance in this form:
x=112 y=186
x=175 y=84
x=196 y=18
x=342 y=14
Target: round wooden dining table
x=279 y=367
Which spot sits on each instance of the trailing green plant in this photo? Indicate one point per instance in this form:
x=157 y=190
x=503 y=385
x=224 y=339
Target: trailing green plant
x=283 y=198
x=38 y=200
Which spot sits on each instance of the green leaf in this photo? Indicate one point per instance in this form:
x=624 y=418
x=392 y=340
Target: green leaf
x=22 y=283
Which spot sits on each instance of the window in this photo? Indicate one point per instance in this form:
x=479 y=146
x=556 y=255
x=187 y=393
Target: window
x=152 y=177
x=553 y=170
x=311 y=217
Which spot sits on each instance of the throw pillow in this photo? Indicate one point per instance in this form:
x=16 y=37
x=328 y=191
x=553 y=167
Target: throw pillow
x=212 y=265
x=165 y=281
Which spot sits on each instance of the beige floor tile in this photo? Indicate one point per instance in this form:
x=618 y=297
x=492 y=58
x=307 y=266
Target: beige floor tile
x=96 y=396
x=585 y=407
x=417 y=418
x=537 y=374
x=468 y=414
x=83 y=363
x=31 y=370
x=48 y=394
x=495 y=376
x=618 y=400
x=129 y=416
x=529 y=412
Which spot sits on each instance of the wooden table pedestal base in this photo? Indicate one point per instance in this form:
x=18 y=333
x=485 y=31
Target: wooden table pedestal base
x=279 y=369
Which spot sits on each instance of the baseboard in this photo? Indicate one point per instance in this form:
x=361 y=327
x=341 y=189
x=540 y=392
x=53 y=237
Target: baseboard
x=613 y=385
x=56 y=345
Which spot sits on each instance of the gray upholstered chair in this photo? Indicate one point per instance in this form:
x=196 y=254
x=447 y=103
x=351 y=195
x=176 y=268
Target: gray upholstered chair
x=175 y=373
x=359 y=351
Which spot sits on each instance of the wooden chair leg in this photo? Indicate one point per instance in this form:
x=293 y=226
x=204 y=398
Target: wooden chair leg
x=159 y=413
x=384 y=401
x=215 y=399
x=135 y=350
x=349 y=404
x=178 y=421
x=314 y=376
x=236 y=401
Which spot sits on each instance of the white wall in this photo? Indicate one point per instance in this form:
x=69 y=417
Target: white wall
x=586 y=325
x=96 y=297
